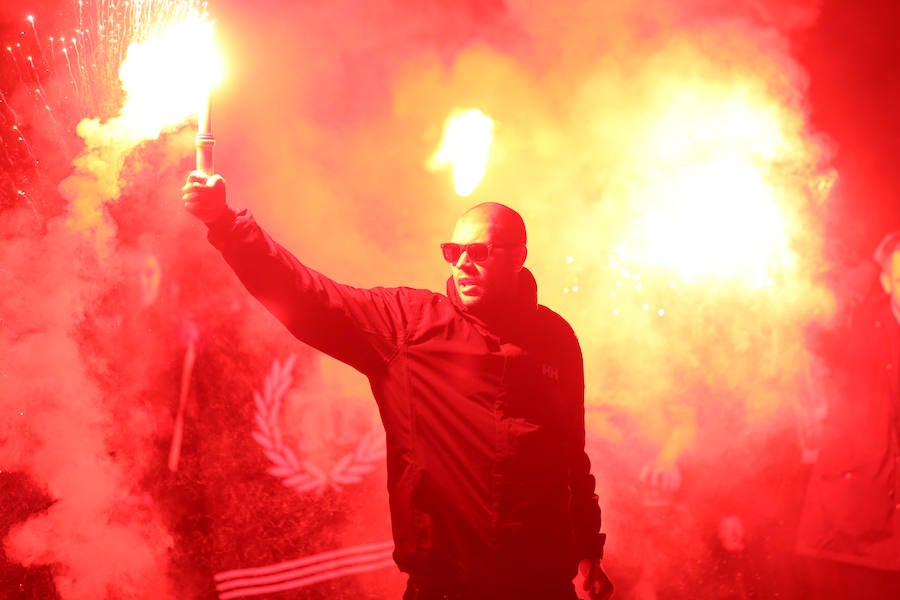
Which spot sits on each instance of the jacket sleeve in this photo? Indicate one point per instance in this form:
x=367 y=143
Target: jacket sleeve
x=360 y=327
x=585 y=506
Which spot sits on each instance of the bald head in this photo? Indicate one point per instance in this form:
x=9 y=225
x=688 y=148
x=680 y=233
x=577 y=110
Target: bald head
x=485 y=279
x=504 y=225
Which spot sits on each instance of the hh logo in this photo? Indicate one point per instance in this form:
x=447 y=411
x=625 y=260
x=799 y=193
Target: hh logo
x=549 y=372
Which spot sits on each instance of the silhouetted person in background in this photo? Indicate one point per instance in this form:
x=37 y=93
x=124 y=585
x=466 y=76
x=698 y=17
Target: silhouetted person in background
x=481 y=393
x=850 y=525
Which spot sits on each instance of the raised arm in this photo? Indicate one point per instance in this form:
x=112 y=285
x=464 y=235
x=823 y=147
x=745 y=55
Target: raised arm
x=361 y=327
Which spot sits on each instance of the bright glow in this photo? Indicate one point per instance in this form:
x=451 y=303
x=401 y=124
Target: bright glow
x=466 y=146
x=717 y=217
x=709 y=206
x=168 y=77
x=167 y=74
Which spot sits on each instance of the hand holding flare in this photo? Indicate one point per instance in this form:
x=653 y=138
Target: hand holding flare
x=204 y=192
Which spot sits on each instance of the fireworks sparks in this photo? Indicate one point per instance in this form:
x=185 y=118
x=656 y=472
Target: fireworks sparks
x=85 y=74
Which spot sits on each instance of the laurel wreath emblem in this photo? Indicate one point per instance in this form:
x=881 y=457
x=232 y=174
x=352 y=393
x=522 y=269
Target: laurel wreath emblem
x=301 y=475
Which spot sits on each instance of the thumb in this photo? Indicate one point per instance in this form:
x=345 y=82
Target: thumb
x=215 y=181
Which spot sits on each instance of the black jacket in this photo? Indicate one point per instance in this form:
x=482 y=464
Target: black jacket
x=852 y=508
x=488 y=479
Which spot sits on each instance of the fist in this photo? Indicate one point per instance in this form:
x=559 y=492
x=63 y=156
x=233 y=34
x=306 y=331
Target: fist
x=204 y=196
x=593 y=580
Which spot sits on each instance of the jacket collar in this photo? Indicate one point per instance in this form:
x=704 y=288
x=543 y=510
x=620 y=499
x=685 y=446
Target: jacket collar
x=524 y=305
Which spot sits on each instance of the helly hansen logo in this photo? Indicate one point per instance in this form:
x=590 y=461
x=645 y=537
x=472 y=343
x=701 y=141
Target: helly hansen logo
x=549 y=372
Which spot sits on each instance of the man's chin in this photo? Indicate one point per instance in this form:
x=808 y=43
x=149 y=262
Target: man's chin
x=469 y=300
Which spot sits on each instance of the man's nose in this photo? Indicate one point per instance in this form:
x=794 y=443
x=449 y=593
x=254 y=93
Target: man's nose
x=463 y=260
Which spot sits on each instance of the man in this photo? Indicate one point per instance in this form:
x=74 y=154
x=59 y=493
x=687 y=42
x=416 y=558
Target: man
x=850 y=525
x=481 y=392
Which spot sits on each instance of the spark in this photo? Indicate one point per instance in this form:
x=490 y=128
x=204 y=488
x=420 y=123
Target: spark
x=52 y=54
x=37 y=40
x=65 y=52
x=24 y=196
x=37 y=75
x=12 y=55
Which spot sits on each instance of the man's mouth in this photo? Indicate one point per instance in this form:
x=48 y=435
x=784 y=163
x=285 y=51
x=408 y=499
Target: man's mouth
x=466 y=284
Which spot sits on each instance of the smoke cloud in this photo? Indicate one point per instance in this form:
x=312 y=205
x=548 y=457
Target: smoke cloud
x=325 y=123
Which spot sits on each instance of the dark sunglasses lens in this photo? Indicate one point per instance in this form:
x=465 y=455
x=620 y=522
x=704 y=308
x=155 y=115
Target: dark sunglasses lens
x=451 y=252
x=478 y=252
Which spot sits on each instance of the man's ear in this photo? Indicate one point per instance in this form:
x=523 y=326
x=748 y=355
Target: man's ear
x=520 y=256
x=886 y=283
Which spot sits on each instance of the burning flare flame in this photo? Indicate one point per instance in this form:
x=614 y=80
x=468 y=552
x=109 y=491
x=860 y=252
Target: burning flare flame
x=465 y=147
x=167 y=78
x=164 y=87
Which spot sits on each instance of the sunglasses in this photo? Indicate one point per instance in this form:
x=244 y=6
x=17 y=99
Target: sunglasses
x=478 y=252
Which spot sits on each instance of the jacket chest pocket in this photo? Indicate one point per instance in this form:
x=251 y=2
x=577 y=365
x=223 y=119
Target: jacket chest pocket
x=858 y=499
x=533 y=390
